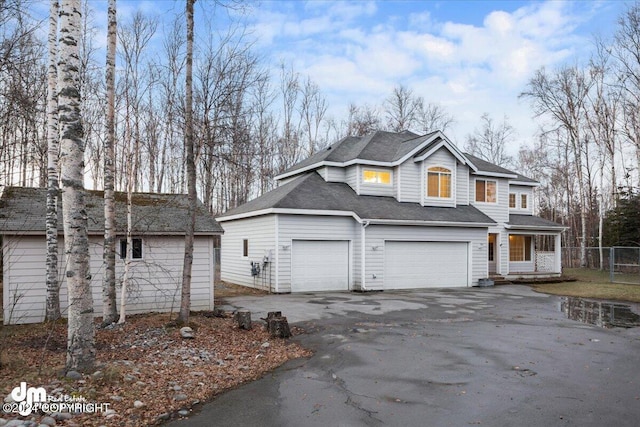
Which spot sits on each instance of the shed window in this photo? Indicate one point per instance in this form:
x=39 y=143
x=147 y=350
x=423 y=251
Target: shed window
x=136 y=250
x=486 y=191
x=439 y=182
x=376 y=177
x=245 y=247
x=519 y=248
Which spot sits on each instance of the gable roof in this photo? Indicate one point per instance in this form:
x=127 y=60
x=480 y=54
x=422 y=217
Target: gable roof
x=309 y=192
x=23 y=210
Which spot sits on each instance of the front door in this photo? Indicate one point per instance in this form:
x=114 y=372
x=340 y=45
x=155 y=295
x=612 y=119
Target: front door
x=492 y=253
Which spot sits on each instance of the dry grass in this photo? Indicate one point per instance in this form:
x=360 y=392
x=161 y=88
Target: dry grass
x=591 y=284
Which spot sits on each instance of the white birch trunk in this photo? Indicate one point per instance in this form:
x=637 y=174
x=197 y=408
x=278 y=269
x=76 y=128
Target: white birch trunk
x=80 y=332
x=185 y=301
x=53 y=148
x=129 y=253
x=109 y=311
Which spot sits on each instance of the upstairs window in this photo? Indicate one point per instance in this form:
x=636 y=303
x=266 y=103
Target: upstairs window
x=512 y=200
x=523 y=201
x=136 y=252
x=486 y=191
x=376 y=177
x=439 y=182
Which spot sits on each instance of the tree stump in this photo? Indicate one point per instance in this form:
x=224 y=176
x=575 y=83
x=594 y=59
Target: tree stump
x=278 y=327
x=243 y=317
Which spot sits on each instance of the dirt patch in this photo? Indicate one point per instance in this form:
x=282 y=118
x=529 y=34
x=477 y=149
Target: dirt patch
x=226 y=289
x=147 y=372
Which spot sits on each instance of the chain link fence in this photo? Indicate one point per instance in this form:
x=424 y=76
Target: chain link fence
x=622 y=263
x=625 y=265
x=571 y=257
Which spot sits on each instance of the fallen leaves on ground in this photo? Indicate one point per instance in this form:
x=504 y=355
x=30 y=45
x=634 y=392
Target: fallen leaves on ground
x=146 y=362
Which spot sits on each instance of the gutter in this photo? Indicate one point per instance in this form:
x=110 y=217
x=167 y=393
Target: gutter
x=365 y=224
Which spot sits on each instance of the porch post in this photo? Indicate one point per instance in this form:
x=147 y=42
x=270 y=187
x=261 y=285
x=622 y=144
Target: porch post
x=558 y=254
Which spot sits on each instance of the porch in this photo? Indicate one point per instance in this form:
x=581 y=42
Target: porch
x=524 y=254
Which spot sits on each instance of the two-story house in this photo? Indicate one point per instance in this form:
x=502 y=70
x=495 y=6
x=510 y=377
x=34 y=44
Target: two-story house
x=388 y=211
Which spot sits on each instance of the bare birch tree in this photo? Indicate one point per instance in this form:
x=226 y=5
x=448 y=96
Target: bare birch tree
x=80 y=334
x=109 y=308
x=53 y=148
x=562 y=97
x=491 y=140
x=185 y=300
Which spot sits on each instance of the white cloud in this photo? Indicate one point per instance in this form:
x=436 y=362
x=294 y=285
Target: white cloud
x=356 y=53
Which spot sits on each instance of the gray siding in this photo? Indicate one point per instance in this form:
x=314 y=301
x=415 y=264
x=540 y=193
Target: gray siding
x=234 y=267
x=377 y=234
x=443 y=158
x=308 y=227
x=155 y=280
x=332 y=174
x=409 y=186
x=499 y=211
x=462 y=185
x=351 y=177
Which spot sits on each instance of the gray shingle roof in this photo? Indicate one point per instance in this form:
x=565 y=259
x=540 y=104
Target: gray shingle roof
x=516 y=220
x=310 y=191
x=485 y=166
x=379 y=146
x=23 y=209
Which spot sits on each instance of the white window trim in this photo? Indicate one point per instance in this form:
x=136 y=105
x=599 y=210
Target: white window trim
x=242 y=255
x=515 y=195
x=124 y=258
x=425 y=186
x=485 y=191
x=376 y=184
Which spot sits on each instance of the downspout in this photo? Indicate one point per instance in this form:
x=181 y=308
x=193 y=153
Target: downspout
x=365 y=224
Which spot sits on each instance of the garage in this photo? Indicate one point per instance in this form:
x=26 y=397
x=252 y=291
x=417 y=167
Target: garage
x=411 y=265
x=319 y=265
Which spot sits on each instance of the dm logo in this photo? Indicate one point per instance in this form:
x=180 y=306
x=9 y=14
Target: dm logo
x=26 y=397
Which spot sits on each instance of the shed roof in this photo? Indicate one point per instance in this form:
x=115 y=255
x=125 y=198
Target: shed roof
x=526 y=221
x=23 y=210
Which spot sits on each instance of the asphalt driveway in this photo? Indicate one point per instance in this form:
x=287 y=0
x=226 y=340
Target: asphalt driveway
x=501 y=356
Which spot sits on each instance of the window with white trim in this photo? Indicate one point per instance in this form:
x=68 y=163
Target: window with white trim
x=486 y=191
x=439 y=182
x=512 y=200
x=136 y=249
x=245 y=247
x=370 y=176
x=523 y=201
x=519 y=247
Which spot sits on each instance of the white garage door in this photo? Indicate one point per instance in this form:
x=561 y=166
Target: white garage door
x=425 y=264
x=319 y=265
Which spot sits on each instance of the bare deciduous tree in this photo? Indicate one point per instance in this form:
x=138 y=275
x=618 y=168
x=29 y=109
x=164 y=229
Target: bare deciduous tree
x=491 y=140
x=185 y=301
x=80 y=335
x=109 y=308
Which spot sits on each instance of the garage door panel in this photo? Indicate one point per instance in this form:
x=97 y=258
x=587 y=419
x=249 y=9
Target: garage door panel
x=425 y=264
x=320 y=265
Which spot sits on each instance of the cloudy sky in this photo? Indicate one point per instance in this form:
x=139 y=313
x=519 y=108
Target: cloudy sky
x=469 y=56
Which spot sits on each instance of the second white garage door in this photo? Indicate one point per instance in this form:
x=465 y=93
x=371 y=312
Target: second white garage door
x=425 y=264
x=319 y=265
